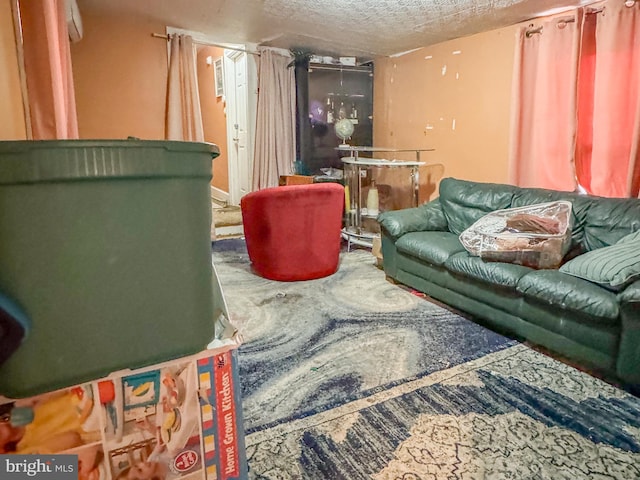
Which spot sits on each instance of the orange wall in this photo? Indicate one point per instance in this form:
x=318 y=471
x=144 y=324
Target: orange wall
x=456 y=103
x=214 y=120
x=120 y=74
x=455 y=97
x=12 y=125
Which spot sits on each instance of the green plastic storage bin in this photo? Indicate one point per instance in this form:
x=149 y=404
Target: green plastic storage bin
x=106 y=247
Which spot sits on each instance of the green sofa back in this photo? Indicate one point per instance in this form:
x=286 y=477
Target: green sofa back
x=597 y=221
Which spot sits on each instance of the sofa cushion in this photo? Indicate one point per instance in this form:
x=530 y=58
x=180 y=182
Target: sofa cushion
x=611 y=267
x=570 y=293
x=609 y=219
x=529 y=196
x=465 y=202
x=428 y=216
x=432 y=247
x=631 y=294
x=496 y=273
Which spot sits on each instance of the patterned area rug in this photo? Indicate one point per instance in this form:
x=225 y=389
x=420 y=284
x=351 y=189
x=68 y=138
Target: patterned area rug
x=351 y=377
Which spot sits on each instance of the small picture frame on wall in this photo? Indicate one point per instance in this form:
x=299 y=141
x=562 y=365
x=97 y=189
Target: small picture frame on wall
x=218 y=77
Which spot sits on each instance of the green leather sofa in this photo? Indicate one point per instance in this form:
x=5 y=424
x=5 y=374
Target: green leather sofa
x=579 y=319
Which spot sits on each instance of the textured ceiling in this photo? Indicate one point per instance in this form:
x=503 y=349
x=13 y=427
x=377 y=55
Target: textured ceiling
x=362 y=28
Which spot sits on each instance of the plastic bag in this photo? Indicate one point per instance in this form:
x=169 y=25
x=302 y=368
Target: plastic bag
x=536 y=236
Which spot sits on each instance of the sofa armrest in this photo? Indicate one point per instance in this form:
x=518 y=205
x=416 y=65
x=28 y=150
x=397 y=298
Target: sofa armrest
x=629 y=351
x=425 y=217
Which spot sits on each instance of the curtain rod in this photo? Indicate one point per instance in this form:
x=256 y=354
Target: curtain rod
x=563 y=21
x=208 y=44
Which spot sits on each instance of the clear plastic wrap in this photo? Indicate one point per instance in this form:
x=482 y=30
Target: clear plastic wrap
x=536 y=236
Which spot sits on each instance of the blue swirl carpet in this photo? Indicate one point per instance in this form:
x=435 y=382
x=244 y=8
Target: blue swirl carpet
x=351 y=377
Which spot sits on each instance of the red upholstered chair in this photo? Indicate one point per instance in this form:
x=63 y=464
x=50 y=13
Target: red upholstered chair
x=293 y=232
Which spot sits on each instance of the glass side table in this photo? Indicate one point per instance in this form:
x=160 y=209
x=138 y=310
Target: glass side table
x=376 y=185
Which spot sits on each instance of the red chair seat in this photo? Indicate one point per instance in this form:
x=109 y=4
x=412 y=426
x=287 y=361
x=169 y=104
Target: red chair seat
x=293 y=232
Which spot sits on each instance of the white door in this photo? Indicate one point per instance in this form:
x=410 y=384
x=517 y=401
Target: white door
x=239 y=146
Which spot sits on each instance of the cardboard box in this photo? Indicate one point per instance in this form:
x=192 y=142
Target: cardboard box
x=176 y=420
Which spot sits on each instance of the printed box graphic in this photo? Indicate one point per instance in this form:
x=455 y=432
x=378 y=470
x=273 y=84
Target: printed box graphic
x=176 y=420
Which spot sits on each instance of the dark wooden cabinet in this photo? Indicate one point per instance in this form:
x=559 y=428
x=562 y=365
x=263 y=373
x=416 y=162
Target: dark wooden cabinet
x=325 y=94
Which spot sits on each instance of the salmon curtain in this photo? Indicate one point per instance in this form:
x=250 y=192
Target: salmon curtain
x=184 y=116
x=275 y=149
x=543 y=118
x=607 y=151
x=49 y=76
x=576 y=102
